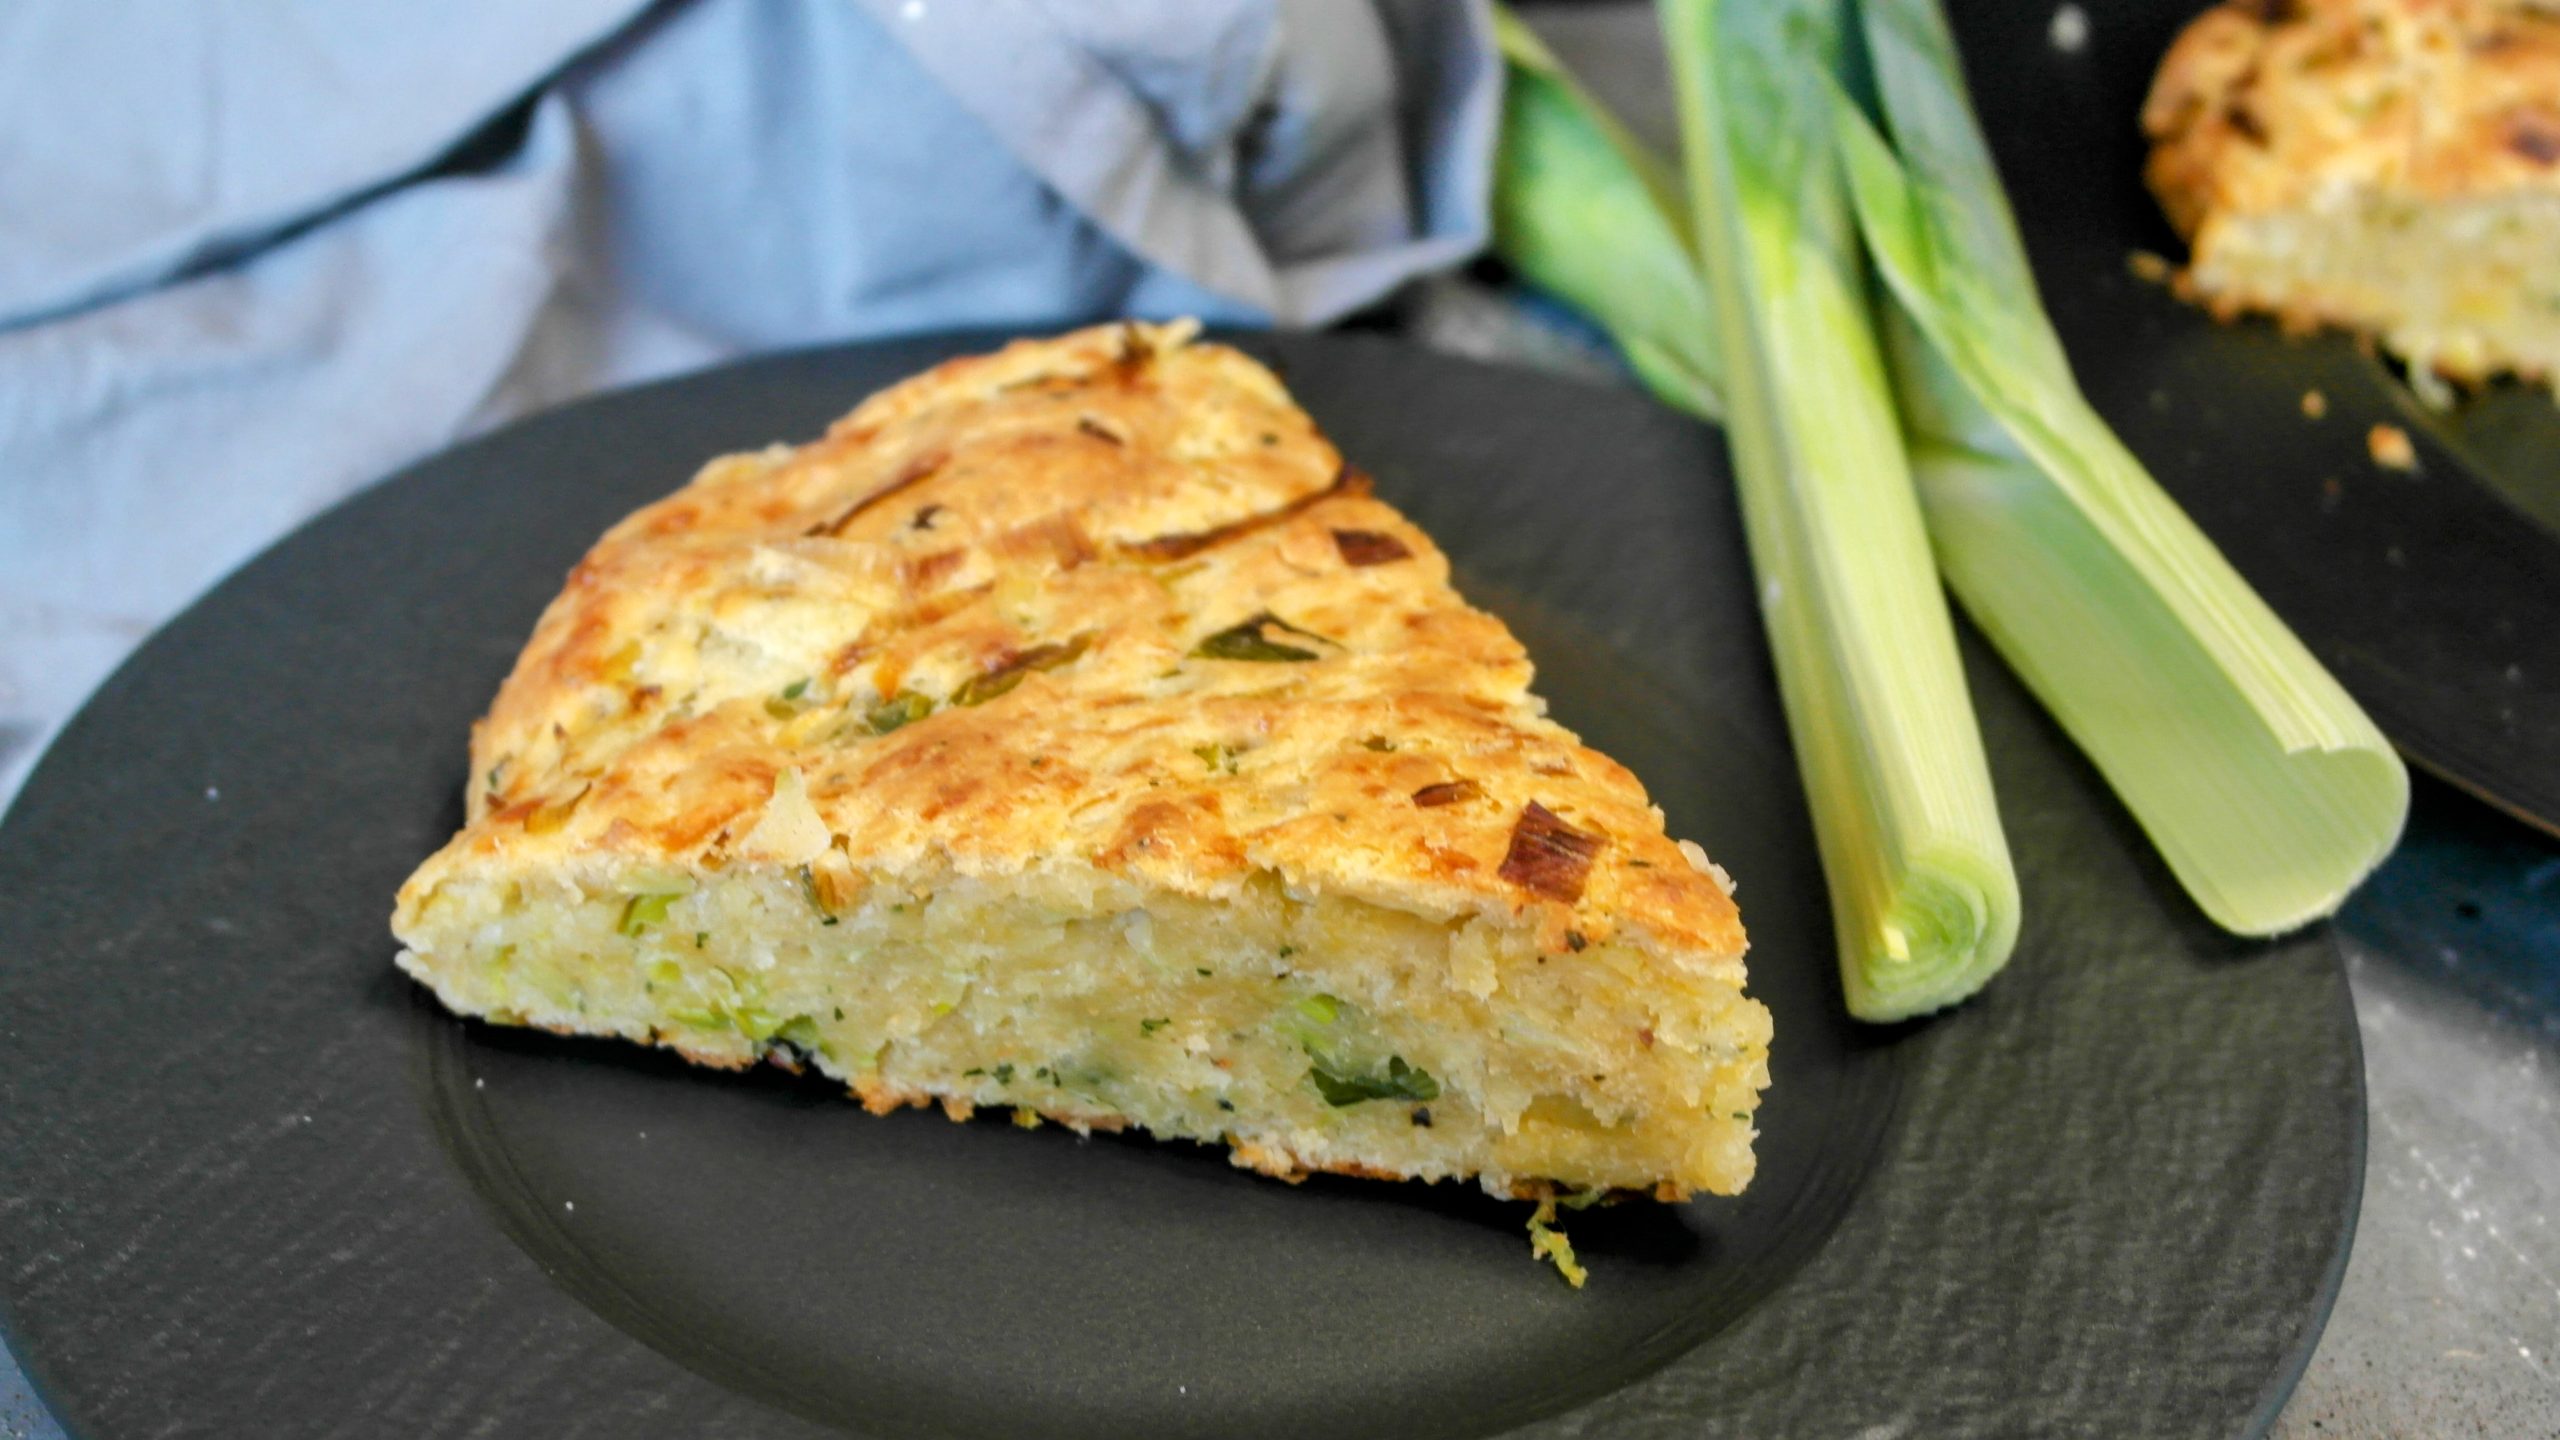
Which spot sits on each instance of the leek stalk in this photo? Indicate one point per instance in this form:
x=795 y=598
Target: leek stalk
x=2267 y=790
x=1586 y=213
x=1924 y=898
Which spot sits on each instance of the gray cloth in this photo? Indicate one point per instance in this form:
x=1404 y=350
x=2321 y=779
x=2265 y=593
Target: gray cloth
x=255 y=255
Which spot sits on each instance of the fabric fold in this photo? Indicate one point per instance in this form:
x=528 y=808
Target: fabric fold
x=252 y=257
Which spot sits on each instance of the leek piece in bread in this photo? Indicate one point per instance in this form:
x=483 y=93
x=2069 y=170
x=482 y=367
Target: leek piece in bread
x=2389 y=166
x=1070 y=731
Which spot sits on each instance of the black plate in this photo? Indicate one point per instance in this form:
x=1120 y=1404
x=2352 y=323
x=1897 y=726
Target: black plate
x=2435 y=597
x=252 y=1182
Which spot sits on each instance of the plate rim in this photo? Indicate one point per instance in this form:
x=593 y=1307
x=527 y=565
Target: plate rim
x=2279 y=1385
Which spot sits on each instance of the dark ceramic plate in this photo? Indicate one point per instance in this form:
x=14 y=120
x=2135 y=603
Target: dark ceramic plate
x=2433 y=596
x=252 y=1182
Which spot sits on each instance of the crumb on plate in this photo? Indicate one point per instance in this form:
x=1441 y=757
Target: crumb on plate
x=2389 y=445
x=2069 y=32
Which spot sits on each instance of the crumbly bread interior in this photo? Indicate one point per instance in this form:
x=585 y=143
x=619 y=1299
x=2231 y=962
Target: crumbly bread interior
x=2466 y=288
x=1308 y=1031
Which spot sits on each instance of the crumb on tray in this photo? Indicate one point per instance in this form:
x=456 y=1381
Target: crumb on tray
x=2069 y=32
x=2389 y=445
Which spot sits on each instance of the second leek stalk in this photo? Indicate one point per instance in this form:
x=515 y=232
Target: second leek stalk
x=1924 y=897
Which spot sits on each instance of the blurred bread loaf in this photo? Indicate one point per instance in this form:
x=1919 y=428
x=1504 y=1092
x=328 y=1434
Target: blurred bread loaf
x=2388 y=166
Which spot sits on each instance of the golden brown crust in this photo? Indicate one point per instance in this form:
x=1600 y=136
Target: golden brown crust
x=2259 y=106
x=1096 y=592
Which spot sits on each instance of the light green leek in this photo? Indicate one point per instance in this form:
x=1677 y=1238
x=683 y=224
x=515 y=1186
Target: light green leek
x=2266 y=789
x=1586 y=213
x=1924 y=899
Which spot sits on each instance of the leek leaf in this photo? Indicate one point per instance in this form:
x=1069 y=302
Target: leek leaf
x=1398 y=1081
x=2264 y=786
x=1924 y=897
x=1586 y=213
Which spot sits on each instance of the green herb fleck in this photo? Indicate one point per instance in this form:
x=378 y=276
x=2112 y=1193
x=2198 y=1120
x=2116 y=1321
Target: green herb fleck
x=980 y=689
x=1322 y=1009
x=904 y=708
x=1548 y=1244
x=1288 y=950
x=1149 y=1027
x=817 y=902
x=1379 y=743
x=787 y=704
x=700 y=937
x=1203 y=969
x=1398 y=1081
x=1251 y=640
x=642 y=911
x=1004 y=1074
x=973 y=1072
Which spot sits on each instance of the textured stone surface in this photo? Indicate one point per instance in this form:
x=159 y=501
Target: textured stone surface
x=2055 y=1221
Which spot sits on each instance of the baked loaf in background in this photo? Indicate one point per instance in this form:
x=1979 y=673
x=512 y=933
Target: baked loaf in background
x=2388 y=166
x=1069 y=731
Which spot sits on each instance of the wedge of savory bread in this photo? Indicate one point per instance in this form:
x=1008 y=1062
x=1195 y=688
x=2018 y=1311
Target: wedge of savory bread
x=1070 y=731
x=2390 y=166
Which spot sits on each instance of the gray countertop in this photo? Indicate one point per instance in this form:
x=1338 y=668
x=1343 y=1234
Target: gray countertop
x=2449 y=1321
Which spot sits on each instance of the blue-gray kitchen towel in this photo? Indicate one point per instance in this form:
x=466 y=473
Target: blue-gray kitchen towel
x=255 y=255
